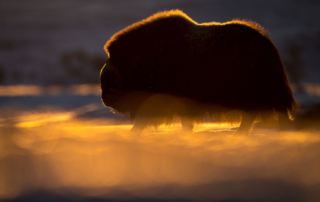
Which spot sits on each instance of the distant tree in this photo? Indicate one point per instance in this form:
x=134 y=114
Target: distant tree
x=82 y=66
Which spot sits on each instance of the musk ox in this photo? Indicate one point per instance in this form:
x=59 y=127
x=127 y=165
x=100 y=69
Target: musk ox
x=169 y=66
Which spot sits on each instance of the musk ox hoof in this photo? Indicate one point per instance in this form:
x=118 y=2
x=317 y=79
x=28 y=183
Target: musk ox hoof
x=240 y=133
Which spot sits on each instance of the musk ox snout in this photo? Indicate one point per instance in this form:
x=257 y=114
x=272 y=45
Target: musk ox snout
x=110 y=78
x=111 y=82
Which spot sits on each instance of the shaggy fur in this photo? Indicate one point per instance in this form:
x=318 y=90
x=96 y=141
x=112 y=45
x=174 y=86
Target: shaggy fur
x=169 y=65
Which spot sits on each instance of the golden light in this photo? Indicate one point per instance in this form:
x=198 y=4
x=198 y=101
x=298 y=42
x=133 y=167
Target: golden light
x=33 y=90
x=20 y=90
x=51 y=149
x=55 y=151
x=91 y=89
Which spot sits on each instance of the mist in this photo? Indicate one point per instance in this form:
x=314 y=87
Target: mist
x=52 y=151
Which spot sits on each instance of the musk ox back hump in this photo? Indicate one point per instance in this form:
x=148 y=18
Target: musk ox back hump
x=233 y=64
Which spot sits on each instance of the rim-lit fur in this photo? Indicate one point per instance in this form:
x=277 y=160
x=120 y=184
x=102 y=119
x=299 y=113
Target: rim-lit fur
x=173 y=66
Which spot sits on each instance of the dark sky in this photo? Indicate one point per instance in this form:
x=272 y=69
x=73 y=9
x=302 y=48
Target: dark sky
x=36 y=34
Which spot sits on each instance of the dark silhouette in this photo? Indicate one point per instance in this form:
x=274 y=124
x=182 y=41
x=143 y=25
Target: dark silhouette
x=170 y=66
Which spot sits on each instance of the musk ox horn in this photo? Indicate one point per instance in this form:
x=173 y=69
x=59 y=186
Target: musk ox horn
x=110 y=78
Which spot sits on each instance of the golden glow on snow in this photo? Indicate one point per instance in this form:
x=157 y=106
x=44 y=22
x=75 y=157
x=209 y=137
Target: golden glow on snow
x=53 y=151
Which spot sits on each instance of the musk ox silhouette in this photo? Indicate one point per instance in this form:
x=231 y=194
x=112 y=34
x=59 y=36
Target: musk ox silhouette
x=169 y=66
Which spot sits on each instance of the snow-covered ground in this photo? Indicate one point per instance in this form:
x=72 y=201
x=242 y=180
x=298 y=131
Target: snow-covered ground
x=51 y=154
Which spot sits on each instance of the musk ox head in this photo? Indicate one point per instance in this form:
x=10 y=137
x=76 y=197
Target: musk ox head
x=111 y=82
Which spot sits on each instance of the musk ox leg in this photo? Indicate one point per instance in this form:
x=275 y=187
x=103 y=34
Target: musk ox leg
x=186 y=123
x=284 y=121
x=246 y=123
x=138 y=126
